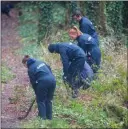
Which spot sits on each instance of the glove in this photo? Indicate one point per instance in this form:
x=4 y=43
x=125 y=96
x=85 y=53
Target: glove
x=64 y=78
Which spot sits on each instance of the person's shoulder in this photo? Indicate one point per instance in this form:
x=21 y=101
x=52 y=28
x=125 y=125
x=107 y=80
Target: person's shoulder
x=86 y=35
x=38 y=62
x=63 y=44
x=83 y=36
x=87 y=19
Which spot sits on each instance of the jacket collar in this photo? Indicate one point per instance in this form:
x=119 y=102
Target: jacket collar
x=30 y=61
x=81 y=20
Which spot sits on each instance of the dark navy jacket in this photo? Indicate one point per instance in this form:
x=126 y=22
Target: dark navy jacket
x=6 y=7
x=87 y=27
x=38 y=70
x=88 y=44
x=68 y=53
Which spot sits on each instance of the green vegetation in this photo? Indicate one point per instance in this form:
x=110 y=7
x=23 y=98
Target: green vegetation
x=6 y=74
x=100 y=106
x=108 y=92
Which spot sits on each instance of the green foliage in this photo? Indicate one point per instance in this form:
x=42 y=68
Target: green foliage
x=61 y=36
x=58 y=123
x=116 y=112
x=114 y=15
x=31 y=49
x=58 y=14
x=92 y=11
x=125 y=14
x=78 y=107
x=6 y=74
x=39 y=123
x=34 y=123
x=73 y=6
x=29 y=31
x=28 y=23
x=88 y=117
x=45 y=19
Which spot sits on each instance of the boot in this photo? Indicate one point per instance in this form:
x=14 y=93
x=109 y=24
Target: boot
x=86 y=83
x=75 y=93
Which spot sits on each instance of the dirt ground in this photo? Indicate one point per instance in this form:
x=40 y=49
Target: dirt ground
x=10 y=42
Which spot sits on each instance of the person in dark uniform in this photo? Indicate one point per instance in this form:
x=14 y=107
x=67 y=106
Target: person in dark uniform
x=6 y=7
x=85 y=25
x=43 y=83
x=89 y=45
x=86 y=76
x=73 y=59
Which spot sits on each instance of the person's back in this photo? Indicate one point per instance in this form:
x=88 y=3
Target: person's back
x=39 y=69
x=87 y=27
x=72 y=50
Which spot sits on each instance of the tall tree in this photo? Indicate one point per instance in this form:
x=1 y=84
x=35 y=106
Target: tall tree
x=102 y=17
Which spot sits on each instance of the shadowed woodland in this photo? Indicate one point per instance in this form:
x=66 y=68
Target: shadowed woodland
x=28 y=27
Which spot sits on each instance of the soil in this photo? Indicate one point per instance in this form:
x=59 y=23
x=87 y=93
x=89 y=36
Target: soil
x=10 y=43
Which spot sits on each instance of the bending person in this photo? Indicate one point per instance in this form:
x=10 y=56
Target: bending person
x=43 y=83
x=90 y=47
x=73 y=59
x=87 y=76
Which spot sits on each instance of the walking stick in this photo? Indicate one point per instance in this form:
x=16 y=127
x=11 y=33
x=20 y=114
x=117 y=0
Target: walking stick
x=23 y=117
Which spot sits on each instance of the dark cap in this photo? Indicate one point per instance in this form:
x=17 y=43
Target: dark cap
x=77 y=13
x=52 y=47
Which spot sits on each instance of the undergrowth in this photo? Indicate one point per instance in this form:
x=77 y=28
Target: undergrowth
x=6 y=74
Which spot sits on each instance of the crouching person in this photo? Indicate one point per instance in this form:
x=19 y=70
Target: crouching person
x=73 y=59
x=90 y=47
x=43 y=83
x=86 y=76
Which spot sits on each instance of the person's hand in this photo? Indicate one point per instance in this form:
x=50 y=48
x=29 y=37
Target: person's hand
x=64 y=78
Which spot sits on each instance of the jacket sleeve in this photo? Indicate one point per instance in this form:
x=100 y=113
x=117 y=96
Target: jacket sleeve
x=32 y=79
x=65 y=62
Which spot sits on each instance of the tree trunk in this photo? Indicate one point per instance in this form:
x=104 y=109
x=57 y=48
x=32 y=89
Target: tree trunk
x=67 y=15
x=82 y=6
x=102 y=17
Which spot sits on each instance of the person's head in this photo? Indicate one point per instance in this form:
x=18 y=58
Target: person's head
x=52 y=48
x=74 y=32
x=77 y=15
x=25 y=59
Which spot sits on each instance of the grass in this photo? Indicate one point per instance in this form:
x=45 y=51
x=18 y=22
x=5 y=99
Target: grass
x=6 y=74
x=71 y=113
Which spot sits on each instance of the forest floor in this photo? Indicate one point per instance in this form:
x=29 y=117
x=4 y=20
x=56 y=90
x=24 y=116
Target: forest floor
x=10 y=42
